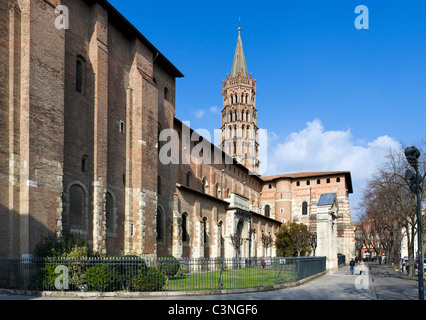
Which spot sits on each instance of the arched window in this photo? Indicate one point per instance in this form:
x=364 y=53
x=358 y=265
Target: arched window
x=205 y=230
x=267 y=211
x=76 y=210
x=328 y=180
x=304 y=208
x=79 y=74
x=84 y=164
x=109 y=212
x=338 y=180
x=159 y=227
x=204 y=185
x=184 y=227
x=188 y=179
x=318 y=181
x=159 y=144
x=217 y=190
x=308 y=183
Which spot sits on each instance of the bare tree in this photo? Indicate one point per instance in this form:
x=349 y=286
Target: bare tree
x=313 y=241
x=266 y=242
x=236 y=243
x=389 y=209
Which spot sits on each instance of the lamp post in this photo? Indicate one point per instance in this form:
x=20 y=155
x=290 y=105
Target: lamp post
x=412 y=154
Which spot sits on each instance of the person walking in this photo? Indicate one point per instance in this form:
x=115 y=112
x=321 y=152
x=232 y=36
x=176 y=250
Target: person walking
x=352 y=266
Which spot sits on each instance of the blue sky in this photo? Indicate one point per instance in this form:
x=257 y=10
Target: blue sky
x=332 y=97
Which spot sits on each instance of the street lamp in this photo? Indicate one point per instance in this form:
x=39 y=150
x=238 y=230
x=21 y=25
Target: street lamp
x=412 y=154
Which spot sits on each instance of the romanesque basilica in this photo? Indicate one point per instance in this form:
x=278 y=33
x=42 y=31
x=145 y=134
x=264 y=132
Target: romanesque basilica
x=84 y=121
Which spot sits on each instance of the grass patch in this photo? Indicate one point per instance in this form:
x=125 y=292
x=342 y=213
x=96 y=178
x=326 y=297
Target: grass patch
x=230 y=279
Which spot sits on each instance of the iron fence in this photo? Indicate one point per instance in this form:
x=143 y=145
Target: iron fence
x=133 y=274
x=341 y=260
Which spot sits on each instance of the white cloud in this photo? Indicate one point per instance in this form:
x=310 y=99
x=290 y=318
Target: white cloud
x=214 y=110
x=199 y=113
x=315 y=149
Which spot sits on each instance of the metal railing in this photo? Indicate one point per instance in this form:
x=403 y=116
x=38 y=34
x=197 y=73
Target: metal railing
x=341 y=260
x=132 y=274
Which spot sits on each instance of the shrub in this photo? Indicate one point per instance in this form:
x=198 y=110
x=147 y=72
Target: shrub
x=152 y=279
x=44 y=278
x=99 y=278
x=125 y=269
x=53 y=246
x=169 y=265
x=77 y=265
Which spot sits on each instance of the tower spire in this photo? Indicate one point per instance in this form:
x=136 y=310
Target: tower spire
x=239 y=66
x=239 y=135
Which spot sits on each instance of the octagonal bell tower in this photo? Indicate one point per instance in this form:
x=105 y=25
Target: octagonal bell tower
x=239 y=131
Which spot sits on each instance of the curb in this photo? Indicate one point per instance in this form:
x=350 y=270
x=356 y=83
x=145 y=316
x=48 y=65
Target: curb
x=141 y=295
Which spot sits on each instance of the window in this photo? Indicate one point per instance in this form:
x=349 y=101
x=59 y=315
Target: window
x=166 y=93
x=159 y=224
x=205 y=231
x=305 y=209
x=109 y=212
x=188 y=179
x=270 y=186
x=218 y=191
x=159 y=144
x=298 y=183
x=204 y=185
x=267 y=211
x=328 y=180
x=122 y=126
x=318 y=181
x=76 y=208
x=184 y=227
x=308 y=183
x=338 y=180
x=84 y=164
x=79 y=74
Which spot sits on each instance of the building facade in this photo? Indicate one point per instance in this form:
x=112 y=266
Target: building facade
x=89 y=142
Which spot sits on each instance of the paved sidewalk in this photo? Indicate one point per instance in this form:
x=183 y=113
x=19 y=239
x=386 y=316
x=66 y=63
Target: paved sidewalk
x=393 y=285
x=340 y=285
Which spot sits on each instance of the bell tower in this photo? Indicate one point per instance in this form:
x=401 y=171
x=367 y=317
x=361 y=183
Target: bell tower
x=239 y=132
